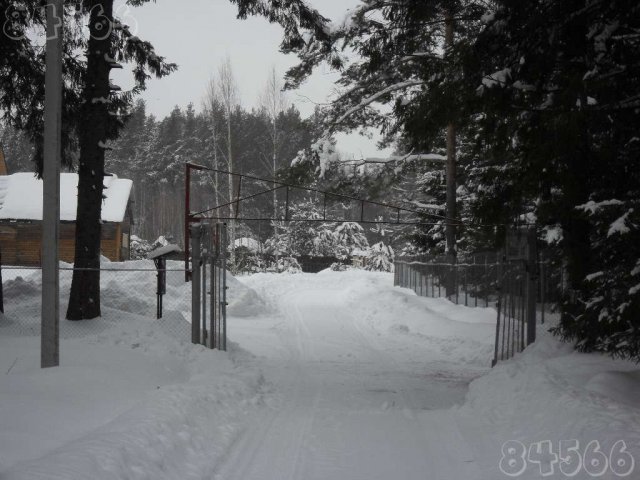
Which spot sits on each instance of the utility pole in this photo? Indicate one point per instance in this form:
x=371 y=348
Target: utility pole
x=50 y=338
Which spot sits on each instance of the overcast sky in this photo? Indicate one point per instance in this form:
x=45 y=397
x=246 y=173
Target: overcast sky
x=199 y=34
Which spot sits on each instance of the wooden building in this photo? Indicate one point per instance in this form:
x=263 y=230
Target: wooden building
x=21 y=218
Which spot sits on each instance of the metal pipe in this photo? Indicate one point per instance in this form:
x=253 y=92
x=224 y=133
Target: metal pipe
x=212 y=294
x=204 y=295
x=195 y=286
x=224 y=289
x=187 y=218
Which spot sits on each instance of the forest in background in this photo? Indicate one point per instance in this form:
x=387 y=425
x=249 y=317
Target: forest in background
x=152 y=152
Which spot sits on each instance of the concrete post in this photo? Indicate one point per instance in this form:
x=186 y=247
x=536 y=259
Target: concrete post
x=50 y=317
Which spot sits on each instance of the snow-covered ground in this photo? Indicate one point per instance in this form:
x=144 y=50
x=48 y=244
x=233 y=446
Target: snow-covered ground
x=336 y=375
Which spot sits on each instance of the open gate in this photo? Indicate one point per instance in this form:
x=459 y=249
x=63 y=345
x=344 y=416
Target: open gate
x=209 y=284
x=206 y=239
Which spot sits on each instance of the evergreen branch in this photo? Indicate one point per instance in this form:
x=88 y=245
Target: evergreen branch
x=373 y=98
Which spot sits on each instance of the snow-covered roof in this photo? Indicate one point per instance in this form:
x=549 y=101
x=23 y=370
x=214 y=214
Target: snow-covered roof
x=160 y=251
x=21 y=197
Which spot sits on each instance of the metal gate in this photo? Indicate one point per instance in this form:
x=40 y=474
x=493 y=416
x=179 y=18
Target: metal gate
x=209 y=285
x=513 y=281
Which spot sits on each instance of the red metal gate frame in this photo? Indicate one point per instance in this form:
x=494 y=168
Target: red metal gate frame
x=195 y=217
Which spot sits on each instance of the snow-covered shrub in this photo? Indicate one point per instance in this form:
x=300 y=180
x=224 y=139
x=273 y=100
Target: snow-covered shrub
x=139 y=248
x=299 y=237
x=380 y=258
x=248 y=261
x=338 y=267
x=288 y=265
x=325 y=242
x=350 y=236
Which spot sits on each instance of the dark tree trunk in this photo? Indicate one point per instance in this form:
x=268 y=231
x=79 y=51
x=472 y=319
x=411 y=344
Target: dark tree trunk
x=450 y=229
x=84 y=302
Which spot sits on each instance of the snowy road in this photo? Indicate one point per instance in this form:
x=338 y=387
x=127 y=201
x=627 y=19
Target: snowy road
x=334 y=376
x=346 y=402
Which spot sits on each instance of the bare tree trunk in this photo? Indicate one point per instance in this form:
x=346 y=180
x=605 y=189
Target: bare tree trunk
x=232 y=223
x=275 y=200
x=84 y=301
x=216 y=180
x=211 y=104
x=274 y=102
x=450 y=229
x=229 y=93
x=451 y=190
x=274 y=159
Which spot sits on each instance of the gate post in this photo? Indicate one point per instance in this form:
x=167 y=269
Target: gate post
x=196 y=231
x=223 y=263
x=532 y=284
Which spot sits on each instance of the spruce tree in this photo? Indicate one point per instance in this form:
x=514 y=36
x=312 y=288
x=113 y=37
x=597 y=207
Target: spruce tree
x=558 y=85
x=109 y=42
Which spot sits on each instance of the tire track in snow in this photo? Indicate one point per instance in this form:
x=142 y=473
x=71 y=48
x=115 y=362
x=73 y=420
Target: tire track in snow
x=331 y=420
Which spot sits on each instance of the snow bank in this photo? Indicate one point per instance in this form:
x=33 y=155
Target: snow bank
x=128 y=402
x=550 y=392
x=124 y=289
x=133 y=398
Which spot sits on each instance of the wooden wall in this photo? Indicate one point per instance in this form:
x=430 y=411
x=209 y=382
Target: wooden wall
x=20 y=242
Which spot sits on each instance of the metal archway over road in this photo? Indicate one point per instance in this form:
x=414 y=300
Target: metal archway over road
x=244 y=197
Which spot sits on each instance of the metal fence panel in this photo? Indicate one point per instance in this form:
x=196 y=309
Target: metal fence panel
x=485 y=280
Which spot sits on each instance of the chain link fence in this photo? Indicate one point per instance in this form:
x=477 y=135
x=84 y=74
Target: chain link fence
x=128 y=290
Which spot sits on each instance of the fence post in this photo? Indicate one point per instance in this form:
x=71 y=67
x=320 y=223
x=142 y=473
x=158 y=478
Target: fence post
x=196 y=231
x=543 y=273
x=450 y=278
x=532 y=284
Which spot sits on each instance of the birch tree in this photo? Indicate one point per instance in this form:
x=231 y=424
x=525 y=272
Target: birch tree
x=274 y=102
x=230 y=100
x=212 y=107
